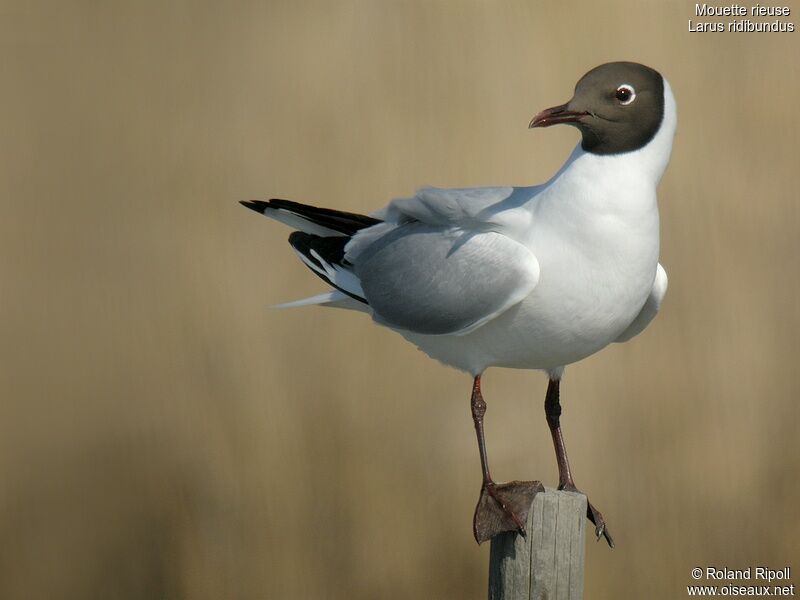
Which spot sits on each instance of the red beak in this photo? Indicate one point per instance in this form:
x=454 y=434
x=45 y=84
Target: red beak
x=555 y=115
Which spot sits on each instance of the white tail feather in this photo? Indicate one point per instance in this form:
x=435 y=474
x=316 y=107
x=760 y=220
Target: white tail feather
x=334 y=298
x=341 y=278
x=318 y=299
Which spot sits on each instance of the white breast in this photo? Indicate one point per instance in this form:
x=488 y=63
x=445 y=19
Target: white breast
x=597 y=269
x=594 y=229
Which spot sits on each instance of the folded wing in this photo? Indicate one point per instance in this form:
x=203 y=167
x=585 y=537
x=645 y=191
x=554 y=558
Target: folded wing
x=466 y=207
x=435 y=281
x=438 y=263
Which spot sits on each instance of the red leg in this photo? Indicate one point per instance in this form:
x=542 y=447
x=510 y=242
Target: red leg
x=501 y=507
x=552 y=410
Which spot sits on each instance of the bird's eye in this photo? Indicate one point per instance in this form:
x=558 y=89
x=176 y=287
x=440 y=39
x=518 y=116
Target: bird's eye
x=625 y=94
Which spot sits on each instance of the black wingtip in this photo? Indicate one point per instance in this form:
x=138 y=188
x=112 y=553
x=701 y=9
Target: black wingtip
x=257 y=205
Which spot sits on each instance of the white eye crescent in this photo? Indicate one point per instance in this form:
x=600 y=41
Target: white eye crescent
x=625 y=94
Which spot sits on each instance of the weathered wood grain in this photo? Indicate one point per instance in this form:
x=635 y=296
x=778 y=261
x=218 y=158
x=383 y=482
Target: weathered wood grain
x=548 y=563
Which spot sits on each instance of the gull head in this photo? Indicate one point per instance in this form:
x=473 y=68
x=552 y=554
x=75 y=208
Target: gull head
x=618 y=107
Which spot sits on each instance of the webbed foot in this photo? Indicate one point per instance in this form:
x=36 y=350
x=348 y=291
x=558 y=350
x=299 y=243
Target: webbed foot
x=503 y=507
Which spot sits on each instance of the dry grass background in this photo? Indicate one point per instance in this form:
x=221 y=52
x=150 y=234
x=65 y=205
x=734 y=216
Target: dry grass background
x=164 y=435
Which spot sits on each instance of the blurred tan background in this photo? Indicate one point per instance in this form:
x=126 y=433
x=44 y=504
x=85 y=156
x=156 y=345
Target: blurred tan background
x=163 y=434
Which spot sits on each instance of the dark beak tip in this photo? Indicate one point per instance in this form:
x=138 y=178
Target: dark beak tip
x=556 y=115
x=547 y=117
x=543 y=119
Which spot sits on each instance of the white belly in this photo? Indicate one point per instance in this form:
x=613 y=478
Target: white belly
x=594 y=230
x=584 y=300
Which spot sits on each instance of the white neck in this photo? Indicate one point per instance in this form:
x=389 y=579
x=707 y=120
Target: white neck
x=649 y=161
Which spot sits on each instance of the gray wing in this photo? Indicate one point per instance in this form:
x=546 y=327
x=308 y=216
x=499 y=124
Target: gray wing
x=437 y=206
x=433 y=280
x=471 y=209
x=650 y=308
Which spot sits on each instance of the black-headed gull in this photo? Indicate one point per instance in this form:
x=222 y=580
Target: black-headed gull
x=523 y=277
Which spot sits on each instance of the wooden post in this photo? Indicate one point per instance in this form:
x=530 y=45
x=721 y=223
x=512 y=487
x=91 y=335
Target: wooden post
x=547 y=564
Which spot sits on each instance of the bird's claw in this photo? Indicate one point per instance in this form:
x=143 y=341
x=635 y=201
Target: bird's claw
x=600 y=529
x=594 y=515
